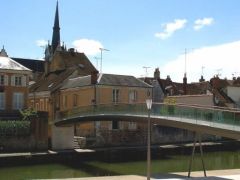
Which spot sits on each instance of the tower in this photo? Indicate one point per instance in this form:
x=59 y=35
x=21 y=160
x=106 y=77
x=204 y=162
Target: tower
x=56 y=42
x=56 y=32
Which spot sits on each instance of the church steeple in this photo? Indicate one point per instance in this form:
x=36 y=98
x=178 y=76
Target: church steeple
x=56 y=31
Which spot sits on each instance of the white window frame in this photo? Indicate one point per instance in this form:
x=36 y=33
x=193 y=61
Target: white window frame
x=18 y=100
x=115 y=95
x=132 y=96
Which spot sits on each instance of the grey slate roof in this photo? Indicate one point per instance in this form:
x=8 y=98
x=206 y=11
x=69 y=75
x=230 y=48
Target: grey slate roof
x=77 y=82
x=121 y=80
x=33 y=64
x=106 y=79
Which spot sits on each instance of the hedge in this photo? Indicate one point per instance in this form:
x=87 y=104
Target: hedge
x=14 y=128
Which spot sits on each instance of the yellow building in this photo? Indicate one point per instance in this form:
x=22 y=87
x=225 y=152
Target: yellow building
x=104 y=89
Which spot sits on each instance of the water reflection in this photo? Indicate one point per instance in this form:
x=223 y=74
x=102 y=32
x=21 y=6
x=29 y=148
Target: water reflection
x=115 y=163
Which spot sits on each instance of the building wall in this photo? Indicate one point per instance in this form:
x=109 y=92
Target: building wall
x=233 y=93
x=204 y=100
x=9 y=88
x=105 y=94
x=78 y=97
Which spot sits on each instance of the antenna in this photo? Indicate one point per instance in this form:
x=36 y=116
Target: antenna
x=97 y=58
x=218 y=72
x=186 y=52
x=102 y=49
x=146 y=70
x=203 y=67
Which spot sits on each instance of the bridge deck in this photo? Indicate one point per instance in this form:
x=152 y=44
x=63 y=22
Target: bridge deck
x=215 y=121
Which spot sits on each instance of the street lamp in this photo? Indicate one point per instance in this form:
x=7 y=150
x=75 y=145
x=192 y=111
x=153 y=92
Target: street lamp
x=149 y=106
x=102 y=49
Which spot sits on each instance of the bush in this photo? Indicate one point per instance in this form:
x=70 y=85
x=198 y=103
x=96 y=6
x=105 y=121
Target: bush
x=14 y=128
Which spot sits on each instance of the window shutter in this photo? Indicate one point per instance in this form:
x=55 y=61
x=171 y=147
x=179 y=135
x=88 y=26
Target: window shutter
x=12 y=80
x=24 y=82
x=6 y=80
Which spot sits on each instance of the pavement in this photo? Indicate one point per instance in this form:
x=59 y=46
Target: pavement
x=230 y=174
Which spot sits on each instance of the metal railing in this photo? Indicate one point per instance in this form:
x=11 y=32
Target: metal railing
x=180 y=112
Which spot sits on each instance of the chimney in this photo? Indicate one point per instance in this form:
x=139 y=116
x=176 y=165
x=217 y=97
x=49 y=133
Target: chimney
x=185 y=84
x=215 y=82
x=94 y=77
x=3 y=52
x=157 y=73
x=202 y=79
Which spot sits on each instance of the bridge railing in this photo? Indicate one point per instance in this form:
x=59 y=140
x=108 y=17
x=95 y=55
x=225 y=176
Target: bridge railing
x=181 y=111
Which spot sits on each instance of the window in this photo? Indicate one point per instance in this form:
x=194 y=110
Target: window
x=132 y=96
x=132 y=125
x=64 y=101
x=1 y=79
x=46 y=105
x=37 y=106
x=75 y=100
x=115 y=124
x=18 y=100
x=32 y=103
x=2 y=100
x=41 y=105
x=115 y=95
x=18 y=81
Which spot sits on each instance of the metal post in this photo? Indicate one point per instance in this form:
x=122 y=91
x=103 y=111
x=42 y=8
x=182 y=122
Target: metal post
x=193 y=151
x=200 y=143
x=148 y=147
x=101 y=62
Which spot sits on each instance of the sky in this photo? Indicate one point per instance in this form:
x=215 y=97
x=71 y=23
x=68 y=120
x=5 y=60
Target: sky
x=201 y=37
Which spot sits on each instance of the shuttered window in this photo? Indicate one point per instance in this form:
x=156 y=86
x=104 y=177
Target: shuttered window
x=18 y=80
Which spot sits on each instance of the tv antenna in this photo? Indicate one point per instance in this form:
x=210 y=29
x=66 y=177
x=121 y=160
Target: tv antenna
x=218 y=72
x=146 y=70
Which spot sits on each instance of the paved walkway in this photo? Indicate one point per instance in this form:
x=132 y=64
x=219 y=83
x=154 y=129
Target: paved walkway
x=230 y=174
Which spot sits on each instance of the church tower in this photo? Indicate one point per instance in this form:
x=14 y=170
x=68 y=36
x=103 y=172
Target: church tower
x=56 y=42
x=56 y=31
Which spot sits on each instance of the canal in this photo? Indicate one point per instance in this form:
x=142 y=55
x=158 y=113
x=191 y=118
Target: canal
x=109 y=163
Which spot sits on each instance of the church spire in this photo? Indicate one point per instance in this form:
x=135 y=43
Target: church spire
x=56 y=31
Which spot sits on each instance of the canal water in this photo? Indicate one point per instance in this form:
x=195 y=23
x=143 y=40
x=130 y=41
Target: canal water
x=109 y=163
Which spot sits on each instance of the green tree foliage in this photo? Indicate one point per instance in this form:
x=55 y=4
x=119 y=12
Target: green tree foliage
x=28 y=114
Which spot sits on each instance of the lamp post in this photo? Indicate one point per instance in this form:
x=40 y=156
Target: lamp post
x=149 y=106
x=102 y=49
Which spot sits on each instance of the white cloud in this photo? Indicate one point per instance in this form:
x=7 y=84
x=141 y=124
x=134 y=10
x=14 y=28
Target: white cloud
x=225 y=57
x=41 y=43
x=88 y=46
x=200 y=23
x=170 y=28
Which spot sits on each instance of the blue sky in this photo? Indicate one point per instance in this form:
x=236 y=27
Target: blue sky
x=153 y=33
